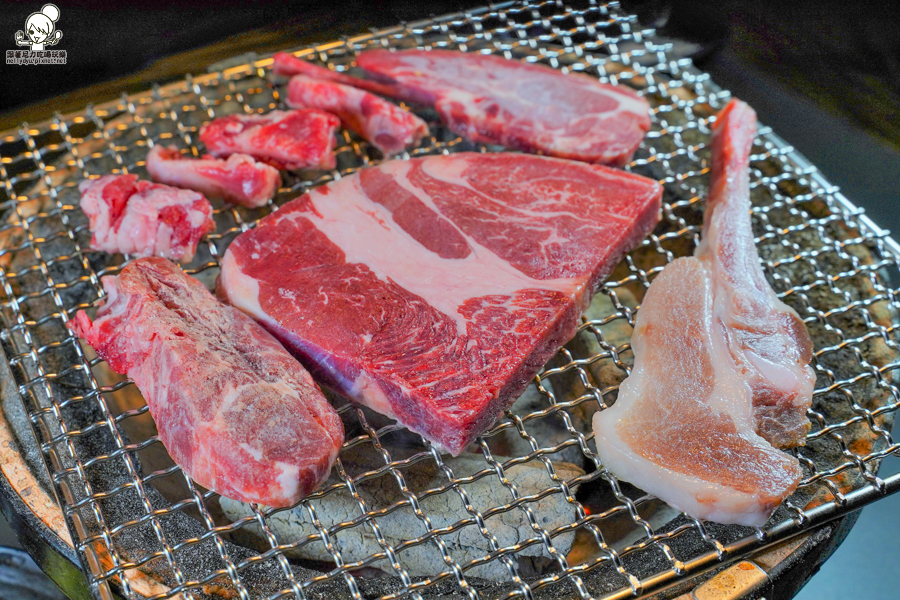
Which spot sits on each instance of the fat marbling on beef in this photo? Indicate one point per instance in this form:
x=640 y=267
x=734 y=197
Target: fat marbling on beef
x=524 y=106
x=133 y=216
x=237 y=412
x=433 y=290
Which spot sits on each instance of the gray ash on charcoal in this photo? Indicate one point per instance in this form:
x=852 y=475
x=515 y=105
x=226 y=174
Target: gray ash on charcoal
x=443 y=506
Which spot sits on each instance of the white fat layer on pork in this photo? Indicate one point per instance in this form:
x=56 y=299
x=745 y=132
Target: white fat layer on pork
x=745 y=278
x=692 y=495
x=731 y=395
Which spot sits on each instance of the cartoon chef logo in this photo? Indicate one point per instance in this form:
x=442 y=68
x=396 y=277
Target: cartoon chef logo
x=40 y=33
x=40 y=29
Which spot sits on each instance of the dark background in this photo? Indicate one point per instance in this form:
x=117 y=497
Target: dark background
x=107 y=40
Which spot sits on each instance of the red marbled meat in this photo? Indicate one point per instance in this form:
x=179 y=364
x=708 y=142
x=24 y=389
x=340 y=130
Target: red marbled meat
x=240 y=179
x=525 y=106
x=388 y=127
x=433 y=290
x=237 y=412
x=292 y=139
x=721 y=375
x=142 y=218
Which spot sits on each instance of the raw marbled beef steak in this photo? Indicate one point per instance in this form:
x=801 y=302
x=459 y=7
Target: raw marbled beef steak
x=524 y=106
x=433 y=290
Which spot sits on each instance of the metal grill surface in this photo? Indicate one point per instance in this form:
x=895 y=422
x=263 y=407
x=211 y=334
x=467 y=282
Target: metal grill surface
x=127 y=504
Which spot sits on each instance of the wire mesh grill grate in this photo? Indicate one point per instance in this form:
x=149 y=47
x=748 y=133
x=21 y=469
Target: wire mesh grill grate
x=528 y=512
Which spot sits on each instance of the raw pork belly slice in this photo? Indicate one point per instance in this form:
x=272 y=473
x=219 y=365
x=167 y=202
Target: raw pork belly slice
x=718 y=360
x=525 y=106
x=433 y=290
x=147 y=219
x=287 y=64
x=237 y=412
x=240 y=179
x=388 y=127
x=682 y=427
x=291 y=139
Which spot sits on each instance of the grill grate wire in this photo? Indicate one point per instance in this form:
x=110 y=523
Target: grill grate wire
x=823 y=255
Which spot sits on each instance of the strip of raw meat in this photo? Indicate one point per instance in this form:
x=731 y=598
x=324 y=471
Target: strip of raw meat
x=240 y=179
x=766 y=336
x=689 y=425
x=238 y=413
x=432 y=290
x=520 y=105
x=388 y=127
x=145 y=219
x=292 y=139
x=287 y=64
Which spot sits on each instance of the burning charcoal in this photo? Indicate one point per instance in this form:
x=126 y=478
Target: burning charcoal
x=548 y=431
x=568 y=385
x=444 y=509
x=617 y=333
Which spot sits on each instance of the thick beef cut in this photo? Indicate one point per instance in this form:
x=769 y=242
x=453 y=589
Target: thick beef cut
x=287 y=139
x=433 y=290
x=388 y=127
x=131 y=216
x=240 y=179
x=520 y=105
x=233 y=408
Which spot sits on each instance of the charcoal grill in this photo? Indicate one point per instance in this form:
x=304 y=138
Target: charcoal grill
x=143 y=530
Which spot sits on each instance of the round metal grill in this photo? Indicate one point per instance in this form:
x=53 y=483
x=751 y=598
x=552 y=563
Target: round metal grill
x=530 y=511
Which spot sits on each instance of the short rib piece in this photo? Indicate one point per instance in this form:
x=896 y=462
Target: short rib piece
x=292 y=139
x=288 y=64
x=142 y=218
x=388 y=127
x=240 y=179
